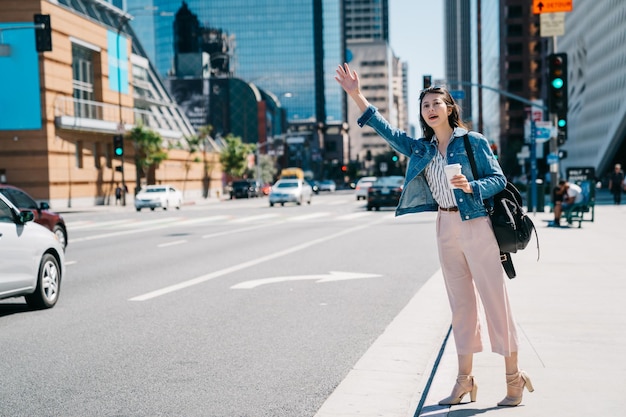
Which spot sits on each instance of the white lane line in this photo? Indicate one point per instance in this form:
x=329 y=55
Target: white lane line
x=244 y=265
x=308 y=216
x=100 y=225
x=243 y=229
x=173 y=243
x=254 y=218
x=210 y=219
x=353 y=216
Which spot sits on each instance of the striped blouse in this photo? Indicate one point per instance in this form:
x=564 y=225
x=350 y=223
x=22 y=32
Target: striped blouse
x=438 y=182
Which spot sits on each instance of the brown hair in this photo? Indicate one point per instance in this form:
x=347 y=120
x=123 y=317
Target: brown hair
x=454 y=119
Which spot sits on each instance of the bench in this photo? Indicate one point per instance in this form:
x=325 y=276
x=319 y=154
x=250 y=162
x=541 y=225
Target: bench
x=585 y=210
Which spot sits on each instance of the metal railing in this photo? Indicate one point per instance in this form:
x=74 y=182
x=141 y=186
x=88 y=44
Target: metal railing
x=88 y=109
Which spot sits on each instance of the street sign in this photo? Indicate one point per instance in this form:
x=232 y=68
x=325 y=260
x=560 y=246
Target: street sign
x=552 y=158
x=544 y=130
x=457 y=94
x=552 y=24
x=552 y=6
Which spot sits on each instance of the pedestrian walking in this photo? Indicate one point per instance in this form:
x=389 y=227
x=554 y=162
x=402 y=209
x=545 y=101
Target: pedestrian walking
x=468 y=250
x=118 y=194
x=616 y=183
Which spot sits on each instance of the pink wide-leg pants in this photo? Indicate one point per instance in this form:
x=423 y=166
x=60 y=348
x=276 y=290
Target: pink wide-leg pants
x=470 y=263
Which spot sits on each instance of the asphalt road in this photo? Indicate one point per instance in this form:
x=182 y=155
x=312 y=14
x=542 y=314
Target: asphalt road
x=232 y=309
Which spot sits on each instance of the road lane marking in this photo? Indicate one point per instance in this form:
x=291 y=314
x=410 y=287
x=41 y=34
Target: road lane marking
x=330 y=277
x=99 y=225
x=251 y=263
x=308 y=216
x=173 y=243
x=254 y=218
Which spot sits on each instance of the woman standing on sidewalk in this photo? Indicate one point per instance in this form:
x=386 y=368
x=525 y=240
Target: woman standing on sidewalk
x=468 y=250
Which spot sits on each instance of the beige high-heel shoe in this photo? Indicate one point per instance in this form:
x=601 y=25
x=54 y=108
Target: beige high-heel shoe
x=464 y=384
x=515 y=384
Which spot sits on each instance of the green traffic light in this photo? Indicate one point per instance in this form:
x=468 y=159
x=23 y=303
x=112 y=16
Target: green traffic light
x=394 y=158
x=119 y=151
x=562 y=122
x=557 y=83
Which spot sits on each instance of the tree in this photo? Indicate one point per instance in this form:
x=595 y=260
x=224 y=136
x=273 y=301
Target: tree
x=267 y=168
x=149 y=150
x=235 y=155
x=192 y=144
x=205 y=133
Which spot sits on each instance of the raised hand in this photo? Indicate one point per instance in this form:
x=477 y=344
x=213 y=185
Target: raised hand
x=348 y=79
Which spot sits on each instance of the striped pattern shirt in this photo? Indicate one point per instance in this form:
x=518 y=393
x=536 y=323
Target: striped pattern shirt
x=438 y=182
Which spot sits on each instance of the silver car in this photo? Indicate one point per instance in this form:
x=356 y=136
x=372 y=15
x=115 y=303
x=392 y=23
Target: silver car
x=158 y=196
x=32 y=260
x=290 y=191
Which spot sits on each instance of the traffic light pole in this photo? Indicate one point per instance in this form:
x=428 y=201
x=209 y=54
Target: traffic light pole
x=121 y=129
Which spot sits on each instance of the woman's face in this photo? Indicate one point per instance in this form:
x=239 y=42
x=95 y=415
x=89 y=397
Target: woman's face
x=435 y=111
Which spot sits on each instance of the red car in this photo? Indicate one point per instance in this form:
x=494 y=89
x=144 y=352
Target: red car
x=43 y=215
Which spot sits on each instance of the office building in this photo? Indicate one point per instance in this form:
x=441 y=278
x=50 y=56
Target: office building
x=383 y=81
x=594 y=41
x=367 y=19
x=61 y=107
x=285 y=47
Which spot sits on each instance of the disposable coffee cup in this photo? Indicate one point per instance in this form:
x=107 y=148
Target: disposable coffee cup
x=452 y=170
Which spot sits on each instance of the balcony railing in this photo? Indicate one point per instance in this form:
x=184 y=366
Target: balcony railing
x=94 y=115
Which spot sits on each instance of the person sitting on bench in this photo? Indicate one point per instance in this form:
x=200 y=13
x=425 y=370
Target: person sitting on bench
x=571 y=194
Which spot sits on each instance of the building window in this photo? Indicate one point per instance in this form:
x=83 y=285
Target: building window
x=82 y=82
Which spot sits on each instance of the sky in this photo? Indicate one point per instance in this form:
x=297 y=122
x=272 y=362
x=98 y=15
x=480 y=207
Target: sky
x=416 y=35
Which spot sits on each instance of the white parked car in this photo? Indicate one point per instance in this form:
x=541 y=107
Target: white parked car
x=154 y=196
x=362 y=185
x=32 y=261
x=290 y=191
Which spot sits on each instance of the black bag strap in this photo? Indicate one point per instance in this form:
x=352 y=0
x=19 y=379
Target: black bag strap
x=470 y=156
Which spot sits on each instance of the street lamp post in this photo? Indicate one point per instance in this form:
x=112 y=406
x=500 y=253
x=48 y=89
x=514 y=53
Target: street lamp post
x=121 y=129
x=124 y=19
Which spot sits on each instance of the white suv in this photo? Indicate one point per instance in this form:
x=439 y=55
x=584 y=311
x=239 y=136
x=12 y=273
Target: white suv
x=362 y=186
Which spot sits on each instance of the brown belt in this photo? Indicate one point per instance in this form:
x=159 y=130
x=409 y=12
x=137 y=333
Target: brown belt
x=449 y=209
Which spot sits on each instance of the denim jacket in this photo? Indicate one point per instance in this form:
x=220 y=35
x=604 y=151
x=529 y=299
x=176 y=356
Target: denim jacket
x=416 y=195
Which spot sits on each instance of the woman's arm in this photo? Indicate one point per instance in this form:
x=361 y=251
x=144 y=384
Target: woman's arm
x=349 y=81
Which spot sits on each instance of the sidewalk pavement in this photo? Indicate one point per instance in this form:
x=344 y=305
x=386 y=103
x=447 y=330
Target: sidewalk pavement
x=572 y=337
x=569 y=310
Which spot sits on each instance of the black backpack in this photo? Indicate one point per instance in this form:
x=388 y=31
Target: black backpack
x=511 y=225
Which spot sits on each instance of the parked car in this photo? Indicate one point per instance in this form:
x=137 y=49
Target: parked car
x=362 y=185
x=245 y=189
x=385 y=192
x=328 y=185
x=290 y=191
x=43 y=215
x=32 y=261
x=153 y=196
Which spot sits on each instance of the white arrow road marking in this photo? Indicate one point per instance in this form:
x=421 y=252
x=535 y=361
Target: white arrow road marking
x=331 y=276
x=250 y=263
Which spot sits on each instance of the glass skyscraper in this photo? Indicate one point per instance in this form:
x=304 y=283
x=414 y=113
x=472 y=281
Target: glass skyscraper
x=288 y=47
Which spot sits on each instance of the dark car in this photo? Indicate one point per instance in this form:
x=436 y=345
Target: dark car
x=43 y=215
x=385 y=192
x=314 y=186
x=245 y=189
